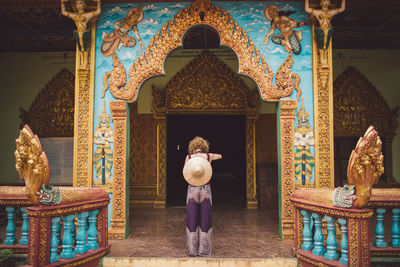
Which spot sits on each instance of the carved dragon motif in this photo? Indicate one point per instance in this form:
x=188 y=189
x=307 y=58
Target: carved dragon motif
x=364 y=169
x=116 y=79
x=365 y=166
x=169 y=37
x=33 y=167
x=284 y=81
x=31 y=163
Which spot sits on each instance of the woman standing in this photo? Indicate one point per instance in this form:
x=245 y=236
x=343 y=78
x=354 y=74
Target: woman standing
x=197 y=172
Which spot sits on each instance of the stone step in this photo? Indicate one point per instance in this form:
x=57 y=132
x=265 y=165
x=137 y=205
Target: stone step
x=198 y=262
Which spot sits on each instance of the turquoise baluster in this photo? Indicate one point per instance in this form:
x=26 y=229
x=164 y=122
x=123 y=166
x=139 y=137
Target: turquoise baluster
x=92 y=232
x=68 y=242
x=344 y=245
x=58 y=233
x=55 y=223
x=73 y=231
x=24 y=228
x=10 y=229
x=318 y=236
x=81 y=247
x=395 y=242
x=331 y=243
x=307 y=233
x=380 y=230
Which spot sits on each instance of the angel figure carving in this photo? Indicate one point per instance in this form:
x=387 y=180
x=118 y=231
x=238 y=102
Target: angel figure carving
x=82 y=35
x=323 y=31
x=288 y=37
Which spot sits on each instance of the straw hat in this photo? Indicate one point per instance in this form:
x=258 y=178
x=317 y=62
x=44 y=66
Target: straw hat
x=197 y=171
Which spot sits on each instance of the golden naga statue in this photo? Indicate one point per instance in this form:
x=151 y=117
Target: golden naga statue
x=33 y=167
x=365 y=166
x=364 y=169
x=31 y=163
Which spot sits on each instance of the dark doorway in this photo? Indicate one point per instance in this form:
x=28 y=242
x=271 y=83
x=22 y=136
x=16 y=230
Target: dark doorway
x=227 y=136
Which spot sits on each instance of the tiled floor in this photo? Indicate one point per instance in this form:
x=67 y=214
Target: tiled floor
x=238 y=233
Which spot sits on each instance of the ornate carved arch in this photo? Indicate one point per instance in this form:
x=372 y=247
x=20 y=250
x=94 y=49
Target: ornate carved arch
x=206 y=85
x=51 y=113
x=251 y=63
x=357 y=105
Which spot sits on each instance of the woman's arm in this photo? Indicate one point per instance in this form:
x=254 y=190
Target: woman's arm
x=215 y=156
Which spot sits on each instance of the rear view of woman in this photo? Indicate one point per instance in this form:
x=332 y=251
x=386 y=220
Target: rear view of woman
x=197 y=172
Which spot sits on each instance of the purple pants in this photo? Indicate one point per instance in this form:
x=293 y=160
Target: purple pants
x=199 y=221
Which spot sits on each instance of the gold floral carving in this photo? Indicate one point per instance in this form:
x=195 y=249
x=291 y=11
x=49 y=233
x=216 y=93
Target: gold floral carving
x=44 y=239
x=323 y=122
x=311 y=261
x=51 y=114
x=252 y=202
x=364 y=229
x=118 y=220
x=66 y=211
x=357 y=105
x=170 y=36
x=335 y=212
x=161 y=162
x=353 y=242
x=83 y=120
x=287 y=116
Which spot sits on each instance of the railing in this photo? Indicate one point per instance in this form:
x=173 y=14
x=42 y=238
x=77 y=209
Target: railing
x=387 y=235
x=329 y=236
x=70 y=234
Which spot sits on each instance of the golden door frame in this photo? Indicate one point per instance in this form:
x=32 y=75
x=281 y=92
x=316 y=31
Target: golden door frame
x=165 y=41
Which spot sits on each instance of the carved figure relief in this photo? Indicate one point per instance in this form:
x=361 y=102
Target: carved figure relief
x=81 y=18
x=288 y=37
x=119 y=37
x=304 y=138
x=323 y=30
x=103 y=154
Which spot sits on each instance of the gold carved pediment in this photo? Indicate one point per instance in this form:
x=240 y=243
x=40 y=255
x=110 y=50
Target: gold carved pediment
x=206 y=85
x=358 y=104
x=51 y=113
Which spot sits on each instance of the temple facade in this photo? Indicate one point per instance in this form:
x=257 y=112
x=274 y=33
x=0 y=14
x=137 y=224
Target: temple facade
x=149 y=76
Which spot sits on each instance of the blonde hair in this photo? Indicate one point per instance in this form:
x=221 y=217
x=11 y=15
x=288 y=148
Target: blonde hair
x=198 y=143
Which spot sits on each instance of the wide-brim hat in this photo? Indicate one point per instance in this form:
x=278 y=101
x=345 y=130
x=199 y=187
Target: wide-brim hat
x=197 y=171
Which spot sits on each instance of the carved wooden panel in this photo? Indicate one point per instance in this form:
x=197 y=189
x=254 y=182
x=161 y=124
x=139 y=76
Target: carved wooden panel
x=51 y=113
x=358 y=104
x=266 y=142
x=214 y=88
x=142 y=155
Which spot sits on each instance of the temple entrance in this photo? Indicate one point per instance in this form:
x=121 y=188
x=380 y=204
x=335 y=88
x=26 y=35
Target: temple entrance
x=227 y=136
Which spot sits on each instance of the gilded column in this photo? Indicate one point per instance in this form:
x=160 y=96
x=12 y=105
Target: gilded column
x=252 y=202
x=287 y=110
x=83 y=119
x=119 y=227
x=323 y=118
x=161 y=161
